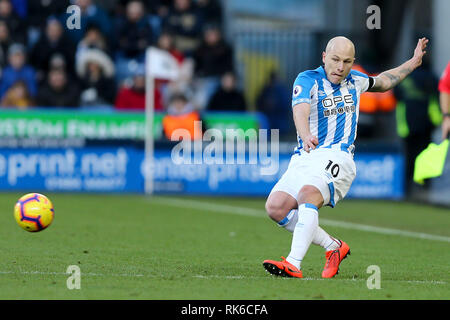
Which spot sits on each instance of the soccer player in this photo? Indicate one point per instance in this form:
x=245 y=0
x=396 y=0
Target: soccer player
x=444 y=98
x=325 y=104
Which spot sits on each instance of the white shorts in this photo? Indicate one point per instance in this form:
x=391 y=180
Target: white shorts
x=330 y=171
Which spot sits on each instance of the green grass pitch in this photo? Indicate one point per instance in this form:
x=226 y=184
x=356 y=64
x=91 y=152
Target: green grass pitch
x=137 y=247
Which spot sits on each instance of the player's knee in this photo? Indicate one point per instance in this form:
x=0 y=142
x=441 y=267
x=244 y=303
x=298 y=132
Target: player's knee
x=310 y=194
x=275 y=211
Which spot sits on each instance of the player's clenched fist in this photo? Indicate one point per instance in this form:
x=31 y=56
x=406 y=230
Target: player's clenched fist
x=310 y=143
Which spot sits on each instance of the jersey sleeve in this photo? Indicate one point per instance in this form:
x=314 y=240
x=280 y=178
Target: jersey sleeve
x=301 y=91
x=363 y=81
x=444 y=82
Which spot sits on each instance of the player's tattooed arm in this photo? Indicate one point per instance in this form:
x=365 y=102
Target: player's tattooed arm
x=390 y=78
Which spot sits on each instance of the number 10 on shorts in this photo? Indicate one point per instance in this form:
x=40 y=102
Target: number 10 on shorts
x=333 y=168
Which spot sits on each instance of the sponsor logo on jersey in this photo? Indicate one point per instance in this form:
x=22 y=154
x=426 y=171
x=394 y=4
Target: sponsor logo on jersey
x=332 y=108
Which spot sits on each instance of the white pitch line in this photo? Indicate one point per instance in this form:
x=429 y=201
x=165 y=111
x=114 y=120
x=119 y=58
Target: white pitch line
x=318 y=279
x=199 y=276
x=68 y=274
x=223 y=208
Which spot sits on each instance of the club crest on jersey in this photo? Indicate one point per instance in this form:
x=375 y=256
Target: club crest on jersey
x=297 y=90
x=350 y=86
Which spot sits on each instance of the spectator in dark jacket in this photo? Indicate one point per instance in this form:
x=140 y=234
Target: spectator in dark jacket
x=134 y=36
x=228 y=97
x=214 y=56
x=18 y=70
x=38 y=11
x=52 y=42
x=94 y=38
x=5 y=41
x=16 y=25
x=58 y=91
x=185 y=22
x=274 y=101
x=134 y=32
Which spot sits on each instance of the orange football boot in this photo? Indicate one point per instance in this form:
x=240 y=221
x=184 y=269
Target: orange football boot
x=334 y=259
x=282 y=268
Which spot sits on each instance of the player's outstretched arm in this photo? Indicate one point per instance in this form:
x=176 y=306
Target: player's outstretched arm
x=301 y=113
x=390 y=78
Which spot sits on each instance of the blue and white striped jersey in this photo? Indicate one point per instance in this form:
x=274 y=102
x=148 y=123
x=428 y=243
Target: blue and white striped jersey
x=334 y=107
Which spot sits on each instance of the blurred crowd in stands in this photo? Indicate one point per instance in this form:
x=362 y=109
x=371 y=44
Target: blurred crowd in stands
x=44 y=63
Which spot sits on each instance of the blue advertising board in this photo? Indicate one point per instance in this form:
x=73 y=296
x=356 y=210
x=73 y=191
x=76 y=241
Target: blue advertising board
x=112 y=169
x=83 y=169
x=378 y=176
